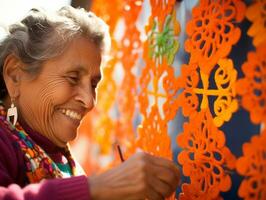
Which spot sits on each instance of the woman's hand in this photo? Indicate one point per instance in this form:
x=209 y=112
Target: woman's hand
x=142 y=176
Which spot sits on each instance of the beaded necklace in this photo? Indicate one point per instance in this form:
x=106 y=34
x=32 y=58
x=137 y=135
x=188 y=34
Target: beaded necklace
x=38 y=164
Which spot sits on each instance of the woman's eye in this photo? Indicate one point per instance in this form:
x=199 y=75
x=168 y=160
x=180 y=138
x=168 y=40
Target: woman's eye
x=72 y=79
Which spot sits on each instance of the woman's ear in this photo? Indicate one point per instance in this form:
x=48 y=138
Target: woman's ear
x=12 y=75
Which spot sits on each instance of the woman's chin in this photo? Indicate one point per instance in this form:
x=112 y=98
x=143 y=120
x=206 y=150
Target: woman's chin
x=68 y=127
x=68 y=136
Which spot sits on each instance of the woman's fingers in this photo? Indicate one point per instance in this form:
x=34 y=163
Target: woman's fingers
x=164 y=168
x=162 y=187
x=162 y=174
x=146 y=191
x=164 y=163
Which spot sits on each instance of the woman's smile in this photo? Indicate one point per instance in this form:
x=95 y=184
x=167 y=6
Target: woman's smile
x=71 y=114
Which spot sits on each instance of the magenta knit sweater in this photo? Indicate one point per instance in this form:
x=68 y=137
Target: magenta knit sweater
x=12 y=175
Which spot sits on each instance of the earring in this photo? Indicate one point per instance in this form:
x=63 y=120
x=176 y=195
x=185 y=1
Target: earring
x=12 y=112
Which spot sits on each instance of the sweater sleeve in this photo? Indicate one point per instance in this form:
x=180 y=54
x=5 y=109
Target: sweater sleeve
x=54 y=189
x=12 y=178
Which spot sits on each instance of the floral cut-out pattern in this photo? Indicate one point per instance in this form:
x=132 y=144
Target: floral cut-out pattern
x=256 y=13
x=204 y=157
x=212 y=32
x=159 y=52
x=164 y=44
x=197 y=91
x=252 y=88
x=252 y=165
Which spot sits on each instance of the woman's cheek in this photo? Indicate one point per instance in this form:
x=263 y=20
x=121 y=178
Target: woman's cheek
x=58 y=91
x=49 y=97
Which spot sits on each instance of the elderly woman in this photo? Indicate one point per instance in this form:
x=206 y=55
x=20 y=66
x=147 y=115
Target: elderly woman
x=50 y=64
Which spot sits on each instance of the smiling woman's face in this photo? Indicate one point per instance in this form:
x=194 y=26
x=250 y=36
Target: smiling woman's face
x=55 y=101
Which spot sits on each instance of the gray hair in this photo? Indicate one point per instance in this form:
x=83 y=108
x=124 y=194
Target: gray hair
x=42 y=35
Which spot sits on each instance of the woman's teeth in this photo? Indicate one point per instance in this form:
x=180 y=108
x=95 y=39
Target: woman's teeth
x=72 y=114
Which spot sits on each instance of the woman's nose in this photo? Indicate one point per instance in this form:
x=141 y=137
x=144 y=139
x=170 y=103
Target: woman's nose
x=86 y=97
